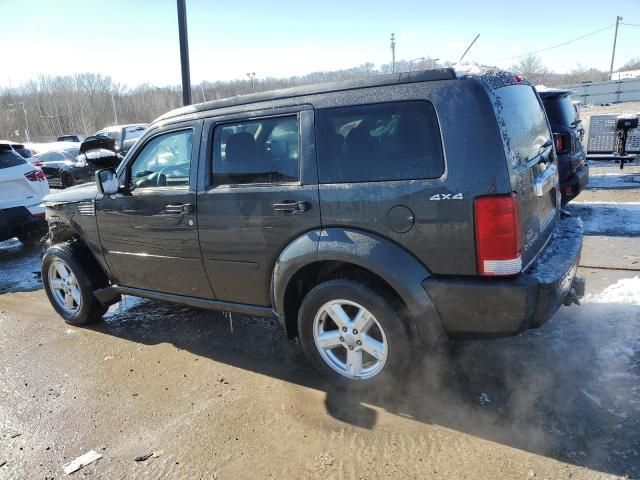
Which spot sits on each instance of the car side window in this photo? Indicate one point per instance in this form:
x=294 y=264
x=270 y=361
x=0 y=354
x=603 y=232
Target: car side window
x=379 y=142
x=164 y=161
x=256 y=151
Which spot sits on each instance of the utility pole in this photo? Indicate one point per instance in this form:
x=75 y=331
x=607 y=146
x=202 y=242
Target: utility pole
x=26 y=122
x=204 y=99
x=184 y=53
x=252 y=76
x=393 y=53
x=615 y=39
x=115 y=115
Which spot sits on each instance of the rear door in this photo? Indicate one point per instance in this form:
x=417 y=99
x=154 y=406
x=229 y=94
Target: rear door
x=259 y=192
x=532 y=162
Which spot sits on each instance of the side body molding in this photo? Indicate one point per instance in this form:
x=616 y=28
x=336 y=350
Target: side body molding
x=403 y=272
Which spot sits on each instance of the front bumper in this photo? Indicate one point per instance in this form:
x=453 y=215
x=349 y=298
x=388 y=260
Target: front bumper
x=488 y=307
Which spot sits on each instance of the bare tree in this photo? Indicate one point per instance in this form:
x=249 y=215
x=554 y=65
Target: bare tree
x=530 y=67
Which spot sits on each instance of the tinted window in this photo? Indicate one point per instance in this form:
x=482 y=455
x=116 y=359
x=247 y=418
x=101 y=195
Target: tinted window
x=9 y=158
x=51 y=157
x=164 y=161
x=133 y=132
x=560 y=110
x=22 y=151
x=522 y=122
x=368 y=143
x=257 y=151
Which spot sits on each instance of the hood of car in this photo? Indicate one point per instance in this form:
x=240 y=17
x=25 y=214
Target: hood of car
x=98 y=142
x=80 y=193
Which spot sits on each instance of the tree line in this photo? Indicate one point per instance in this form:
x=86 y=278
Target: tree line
x=50 y=106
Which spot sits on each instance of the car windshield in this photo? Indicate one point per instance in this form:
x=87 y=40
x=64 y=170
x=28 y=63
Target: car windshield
x=522 y=122
x=560 y=110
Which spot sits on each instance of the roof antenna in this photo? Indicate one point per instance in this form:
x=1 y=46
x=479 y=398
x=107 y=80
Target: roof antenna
x=468 y=48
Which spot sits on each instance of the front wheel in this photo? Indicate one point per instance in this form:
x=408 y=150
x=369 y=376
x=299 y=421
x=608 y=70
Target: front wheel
x=70 y=287
x=353 y=335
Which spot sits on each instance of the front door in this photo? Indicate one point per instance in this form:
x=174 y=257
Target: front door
x=148 y=231
x=259 y=193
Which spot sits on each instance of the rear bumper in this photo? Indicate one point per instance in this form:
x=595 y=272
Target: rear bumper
x=485 y=307
x=18 y=220
x=575 y=183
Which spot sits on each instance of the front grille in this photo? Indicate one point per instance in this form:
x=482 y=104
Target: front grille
x=87 y=208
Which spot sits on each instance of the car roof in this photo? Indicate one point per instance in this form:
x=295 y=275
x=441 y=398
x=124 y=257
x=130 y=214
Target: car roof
x=491 y=77
x=550 y=92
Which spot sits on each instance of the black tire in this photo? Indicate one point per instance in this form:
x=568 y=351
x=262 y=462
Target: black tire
x=88 y=279
x=383 y=308
x=66 y=180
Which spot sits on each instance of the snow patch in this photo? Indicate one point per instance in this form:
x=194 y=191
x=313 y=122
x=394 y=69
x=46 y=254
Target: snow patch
x=625 y=291
x=613 y=181
x=621 y=219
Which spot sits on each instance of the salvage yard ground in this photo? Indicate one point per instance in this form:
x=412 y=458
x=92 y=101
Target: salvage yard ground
x=189 y=397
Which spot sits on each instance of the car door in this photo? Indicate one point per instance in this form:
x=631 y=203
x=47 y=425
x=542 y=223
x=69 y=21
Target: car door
x=148 y=230
x=259 y=192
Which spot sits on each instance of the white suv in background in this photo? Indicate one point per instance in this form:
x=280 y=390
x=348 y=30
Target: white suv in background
x=22 y=187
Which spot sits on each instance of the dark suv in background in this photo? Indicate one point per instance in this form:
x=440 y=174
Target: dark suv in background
x=568 y=136
x=366 y=216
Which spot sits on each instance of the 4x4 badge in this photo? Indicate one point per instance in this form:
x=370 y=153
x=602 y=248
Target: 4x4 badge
x=447 y=196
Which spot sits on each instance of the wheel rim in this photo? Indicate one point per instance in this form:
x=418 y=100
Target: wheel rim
x=350 y=340
x=64 y=287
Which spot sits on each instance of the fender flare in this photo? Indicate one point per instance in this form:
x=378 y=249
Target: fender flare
x=384 y=258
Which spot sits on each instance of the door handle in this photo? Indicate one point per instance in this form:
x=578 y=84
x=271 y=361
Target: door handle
x=290 y=206
x=180 y=209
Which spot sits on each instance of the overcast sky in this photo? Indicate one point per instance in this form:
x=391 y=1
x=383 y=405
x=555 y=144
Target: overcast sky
x=137 y=41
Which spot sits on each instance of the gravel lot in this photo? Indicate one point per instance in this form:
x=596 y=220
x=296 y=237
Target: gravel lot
x=211 y=401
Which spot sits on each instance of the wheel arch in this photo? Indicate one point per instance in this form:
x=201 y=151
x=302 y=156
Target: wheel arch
x=322 y=254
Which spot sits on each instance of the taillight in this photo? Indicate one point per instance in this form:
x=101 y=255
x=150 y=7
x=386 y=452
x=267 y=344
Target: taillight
x=498 y=235
x=562 y=142
x=35 y=175
x=37 y=163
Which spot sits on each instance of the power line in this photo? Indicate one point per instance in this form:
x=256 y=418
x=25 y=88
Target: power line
x=557 y=45
x=629 y=24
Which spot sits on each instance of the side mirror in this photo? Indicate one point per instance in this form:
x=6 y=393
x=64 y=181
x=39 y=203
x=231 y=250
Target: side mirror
x=107 y=181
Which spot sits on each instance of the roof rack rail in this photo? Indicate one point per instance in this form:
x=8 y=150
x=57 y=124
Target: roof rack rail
x=364 y=82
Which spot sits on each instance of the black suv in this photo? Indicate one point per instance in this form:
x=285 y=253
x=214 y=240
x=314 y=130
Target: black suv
x=568 y=136
x=365 y=216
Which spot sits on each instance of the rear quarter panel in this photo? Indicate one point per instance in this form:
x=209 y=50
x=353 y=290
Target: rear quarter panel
x=442 y=237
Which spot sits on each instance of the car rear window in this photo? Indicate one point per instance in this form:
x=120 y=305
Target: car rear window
x=23 y=152
x=9 y=158
x=379 y=142
x=560 y=110
x=522 y=121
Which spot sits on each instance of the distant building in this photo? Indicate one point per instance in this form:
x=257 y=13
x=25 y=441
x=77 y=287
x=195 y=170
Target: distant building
x=626 y=75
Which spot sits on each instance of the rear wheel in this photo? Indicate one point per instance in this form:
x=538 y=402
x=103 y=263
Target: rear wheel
x=352 y=334
x=70 y=286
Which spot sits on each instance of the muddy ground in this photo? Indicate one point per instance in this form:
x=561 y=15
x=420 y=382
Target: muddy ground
x=226 y=397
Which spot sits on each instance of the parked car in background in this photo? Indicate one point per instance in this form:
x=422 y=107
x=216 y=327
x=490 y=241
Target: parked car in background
x=59 y=166
x=20 y=148
x=72 y=166
x=123 y=135
x=367 y=217
x=568 y=137
x=38 y=148
x=22 y=188
x=70 y=138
